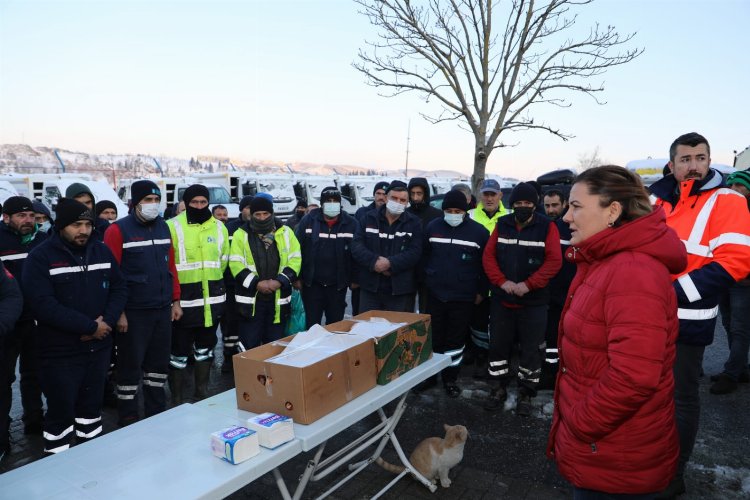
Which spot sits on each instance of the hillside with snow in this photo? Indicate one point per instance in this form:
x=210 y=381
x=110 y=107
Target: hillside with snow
x=22 y=158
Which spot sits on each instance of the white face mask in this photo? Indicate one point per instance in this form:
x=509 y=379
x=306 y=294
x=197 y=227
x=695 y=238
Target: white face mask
x=453 y=220
x=45 y=226
x=149 y=211
x=395 y=207
x=331 y=208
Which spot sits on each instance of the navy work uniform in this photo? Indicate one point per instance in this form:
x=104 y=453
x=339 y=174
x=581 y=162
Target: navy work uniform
x=144 y=250
x=68 y=287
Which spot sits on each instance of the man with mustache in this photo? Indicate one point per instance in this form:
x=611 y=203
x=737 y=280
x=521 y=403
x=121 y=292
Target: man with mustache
x=714 y=224
x=19 y=234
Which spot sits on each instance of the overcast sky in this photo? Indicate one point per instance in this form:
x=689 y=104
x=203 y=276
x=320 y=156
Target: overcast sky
x=273 y=80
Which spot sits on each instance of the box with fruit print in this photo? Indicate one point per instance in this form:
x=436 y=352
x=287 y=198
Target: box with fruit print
x=399 y=347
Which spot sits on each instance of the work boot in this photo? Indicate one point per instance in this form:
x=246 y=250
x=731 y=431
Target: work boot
x=523 y=405
x=176 y=383
x=32 y=423
x=723 y=385
x=452 y=390
x=202 y=372
x=497 y=398
x=482 y=366
x=675 y=489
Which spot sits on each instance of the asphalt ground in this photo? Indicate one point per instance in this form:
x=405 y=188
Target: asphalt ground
x=504 y=456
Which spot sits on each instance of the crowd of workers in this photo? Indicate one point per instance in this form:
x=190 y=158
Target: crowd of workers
x=607 y=295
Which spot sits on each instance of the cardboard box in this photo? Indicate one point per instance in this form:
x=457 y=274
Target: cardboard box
x=399 y=350
x=303 y=393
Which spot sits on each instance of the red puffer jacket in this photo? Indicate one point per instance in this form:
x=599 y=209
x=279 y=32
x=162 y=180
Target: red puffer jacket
x=613 y=428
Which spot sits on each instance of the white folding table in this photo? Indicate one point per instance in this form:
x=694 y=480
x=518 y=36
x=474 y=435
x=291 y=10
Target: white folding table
x=167 y=455
x=315 y=435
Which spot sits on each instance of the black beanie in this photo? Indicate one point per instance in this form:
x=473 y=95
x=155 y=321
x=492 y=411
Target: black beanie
x=301 y=203
x=330 y=192
x=193 y=191
x=380 y=185
x=69 y=211
x=103 y=205
x=16 y=204
x=261 y=204
x=245 y=201
x=396 y=184
x=77 y=189
x=455 y=199
x=141 y=189
x=524 y=192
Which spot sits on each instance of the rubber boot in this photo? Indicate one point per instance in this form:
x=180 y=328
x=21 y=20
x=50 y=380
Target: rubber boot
x=176 y=383
x=202 y=372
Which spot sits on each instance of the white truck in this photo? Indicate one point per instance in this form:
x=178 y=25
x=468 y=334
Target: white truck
x=48 y=188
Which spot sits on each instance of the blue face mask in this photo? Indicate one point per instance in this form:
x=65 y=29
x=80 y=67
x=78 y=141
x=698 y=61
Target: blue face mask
x=331 y=209
x=453 y=220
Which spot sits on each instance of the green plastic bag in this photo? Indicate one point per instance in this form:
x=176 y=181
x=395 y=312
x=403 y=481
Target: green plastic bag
x=296 y=321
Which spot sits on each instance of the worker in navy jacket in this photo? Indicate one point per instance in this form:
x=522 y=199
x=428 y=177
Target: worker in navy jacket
x=388 y=248
x=142 y=245
x=77 y=293
x=19 y=234
x=455 y=278
x=325 y=236
x=11 y=305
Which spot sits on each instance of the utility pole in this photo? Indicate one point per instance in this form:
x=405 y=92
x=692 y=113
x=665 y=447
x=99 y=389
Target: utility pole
x=408 y=137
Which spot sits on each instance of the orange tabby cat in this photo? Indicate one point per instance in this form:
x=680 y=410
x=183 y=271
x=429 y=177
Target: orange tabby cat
x=435 y=457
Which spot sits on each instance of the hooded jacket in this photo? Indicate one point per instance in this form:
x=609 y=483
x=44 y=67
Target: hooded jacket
x=714 y=225
x=424 y=211
x=613 y=426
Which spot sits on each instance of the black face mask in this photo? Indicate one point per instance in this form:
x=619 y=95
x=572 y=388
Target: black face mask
x=300 y=213
x=523 y=214
x=261 y=226
x=197 y=215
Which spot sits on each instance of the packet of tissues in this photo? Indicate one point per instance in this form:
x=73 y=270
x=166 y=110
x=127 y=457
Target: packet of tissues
x=273 y=430
x=235 y=444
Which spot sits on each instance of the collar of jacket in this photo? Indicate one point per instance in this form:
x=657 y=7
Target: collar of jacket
x=668 y=189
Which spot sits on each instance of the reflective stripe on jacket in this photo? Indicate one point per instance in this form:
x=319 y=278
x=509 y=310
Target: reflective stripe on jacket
x=242 y=265
x=714 y=225
x=201 y=253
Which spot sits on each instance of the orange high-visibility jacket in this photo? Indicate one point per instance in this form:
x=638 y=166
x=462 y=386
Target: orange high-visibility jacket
x=714 y=224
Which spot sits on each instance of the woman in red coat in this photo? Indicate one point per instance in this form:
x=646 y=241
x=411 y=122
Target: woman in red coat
x=613 y=430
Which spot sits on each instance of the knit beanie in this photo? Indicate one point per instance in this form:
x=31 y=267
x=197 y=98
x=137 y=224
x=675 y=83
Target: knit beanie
x=77 y=189
x=103 y=205
x=193 y=191
x=301 y=204
x=738 y=177
x=69 y=211
x=455 y=199
x=141 y=189
x=524 y=192
x=380 y=185
x=16 y=204
x=265 y=195
x=396 y=184
x=330 y=192
x=245 y=202
x=261 y=204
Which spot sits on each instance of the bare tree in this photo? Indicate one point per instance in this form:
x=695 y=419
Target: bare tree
x=488 y=62
x=591 y=159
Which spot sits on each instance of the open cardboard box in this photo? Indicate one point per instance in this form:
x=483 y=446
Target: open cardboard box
x=399 y=350
x=304 y=394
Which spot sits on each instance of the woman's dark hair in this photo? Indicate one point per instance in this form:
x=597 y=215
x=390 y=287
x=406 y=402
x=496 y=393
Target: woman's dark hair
x=614 y=183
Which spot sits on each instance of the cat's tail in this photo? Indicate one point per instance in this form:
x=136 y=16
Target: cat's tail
x=396 y=469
